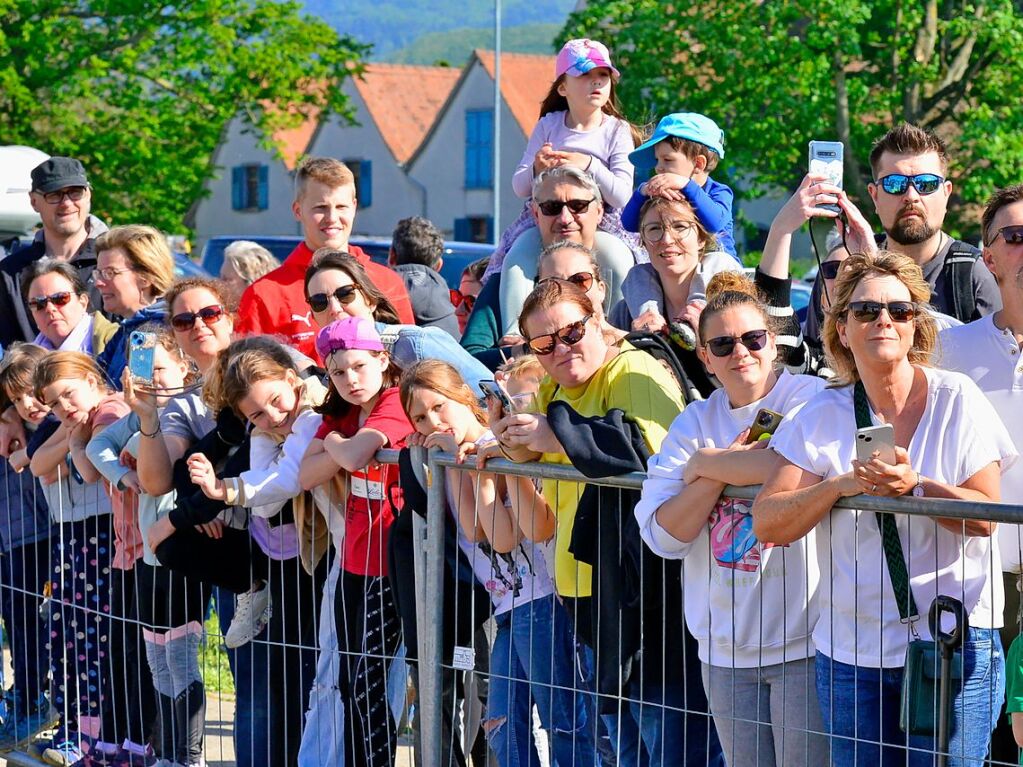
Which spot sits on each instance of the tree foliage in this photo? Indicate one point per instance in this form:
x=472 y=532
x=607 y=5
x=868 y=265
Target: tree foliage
x=141 y=92
x=779 y=73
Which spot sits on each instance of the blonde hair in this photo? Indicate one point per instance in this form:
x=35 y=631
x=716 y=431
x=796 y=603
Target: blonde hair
x=521 y=366
x=17 y=370
x=216 y=287
x=147 y=251
x=326 y=170
x=854 y=270
x=61 y=366
x=243 y=363
x=442 y=378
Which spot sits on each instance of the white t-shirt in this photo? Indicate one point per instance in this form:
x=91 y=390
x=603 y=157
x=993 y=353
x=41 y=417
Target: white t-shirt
x=958 y=435
x=992 y=359
x=748 y=604
x=512 y=579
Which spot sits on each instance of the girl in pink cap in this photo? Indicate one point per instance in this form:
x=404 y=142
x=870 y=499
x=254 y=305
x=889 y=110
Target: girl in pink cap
x=581 y=125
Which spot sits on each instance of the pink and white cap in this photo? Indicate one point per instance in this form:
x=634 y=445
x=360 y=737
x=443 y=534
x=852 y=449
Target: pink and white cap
x=577 y=57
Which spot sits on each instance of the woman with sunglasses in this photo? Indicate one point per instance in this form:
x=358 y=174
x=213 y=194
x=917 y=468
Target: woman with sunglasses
x=134 y=268
x=883 y=571
x=59 y=303
x=683 y=258
x=750 y=606
x=590 y=383
x=337 y=286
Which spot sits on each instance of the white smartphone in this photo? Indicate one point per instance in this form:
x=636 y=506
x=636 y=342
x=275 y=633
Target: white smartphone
x=826 y=159
x=876 y=439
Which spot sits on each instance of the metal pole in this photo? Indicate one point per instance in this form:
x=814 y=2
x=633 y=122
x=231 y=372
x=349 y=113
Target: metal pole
x=431 y=623
x=497 y=121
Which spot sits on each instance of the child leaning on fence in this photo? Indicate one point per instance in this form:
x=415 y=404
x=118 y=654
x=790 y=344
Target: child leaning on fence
x=361 y=415
x=170 y=607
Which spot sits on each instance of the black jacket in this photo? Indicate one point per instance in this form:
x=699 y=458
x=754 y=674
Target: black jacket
x=636 y=604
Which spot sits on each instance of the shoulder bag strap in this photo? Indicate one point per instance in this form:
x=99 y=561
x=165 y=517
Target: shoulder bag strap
x=893 y=553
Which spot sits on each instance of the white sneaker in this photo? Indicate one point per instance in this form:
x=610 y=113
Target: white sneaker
x=251 y=613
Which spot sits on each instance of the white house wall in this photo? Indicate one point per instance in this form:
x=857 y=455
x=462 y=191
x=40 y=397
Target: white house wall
x=440 y=164
x=214 y=215
x=395 y=196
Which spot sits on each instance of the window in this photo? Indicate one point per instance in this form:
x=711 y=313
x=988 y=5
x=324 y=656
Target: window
x=479 y=154
x=363 y=172
x=474 y=229
x=250 y=187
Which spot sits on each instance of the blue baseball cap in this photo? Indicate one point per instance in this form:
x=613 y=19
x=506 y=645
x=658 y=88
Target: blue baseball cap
x=687 y=125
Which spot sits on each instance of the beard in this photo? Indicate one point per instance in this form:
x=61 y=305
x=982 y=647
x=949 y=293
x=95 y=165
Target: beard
x=911 y=231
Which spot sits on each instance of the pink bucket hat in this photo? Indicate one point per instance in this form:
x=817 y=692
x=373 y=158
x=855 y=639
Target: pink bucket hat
x=577 y=57
x=348 y=333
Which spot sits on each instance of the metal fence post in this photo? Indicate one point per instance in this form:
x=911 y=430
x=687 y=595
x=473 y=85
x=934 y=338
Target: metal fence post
x=431 y=619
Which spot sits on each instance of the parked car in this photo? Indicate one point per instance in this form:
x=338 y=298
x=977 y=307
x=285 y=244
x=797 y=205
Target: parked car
x=457 y=255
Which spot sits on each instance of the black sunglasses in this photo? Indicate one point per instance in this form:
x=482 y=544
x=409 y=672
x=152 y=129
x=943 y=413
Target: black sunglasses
x=869 y=311
x=829 y=269
x=63 y=298
x=569 y=335
x=722 y=346
x=319 y=302
x=1013 y=235
x=208 y=314
x=554 y=207
x=924 y=183
x=584 y=280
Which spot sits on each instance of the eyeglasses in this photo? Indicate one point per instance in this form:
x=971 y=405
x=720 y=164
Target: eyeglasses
x=722 y=346
x=106 y=274
x=869 y=311
x=39 y=303
x=575 y=207
x=74 y=193
x=829 y=269
x=924 y=183
x=458 y=298
x=584 y=280
x=319 y=302
x=654 y=232
x=1013 y=235
x=208 y=314
x=569 y=335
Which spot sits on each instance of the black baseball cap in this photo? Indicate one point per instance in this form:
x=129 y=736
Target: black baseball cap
x=58 y=173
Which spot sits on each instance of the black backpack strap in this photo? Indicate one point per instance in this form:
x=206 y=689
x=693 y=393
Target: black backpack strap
x=658 y=347
x=958 y=270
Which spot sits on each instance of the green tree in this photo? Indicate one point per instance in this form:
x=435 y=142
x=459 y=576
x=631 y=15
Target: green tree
x=777 y=74
x=141 y=92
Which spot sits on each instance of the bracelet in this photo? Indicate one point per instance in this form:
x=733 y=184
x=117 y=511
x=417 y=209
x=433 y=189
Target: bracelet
x=155 y=431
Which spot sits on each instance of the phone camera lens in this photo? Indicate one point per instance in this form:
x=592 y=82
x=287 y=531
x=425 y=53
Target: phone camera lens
x=764 y=420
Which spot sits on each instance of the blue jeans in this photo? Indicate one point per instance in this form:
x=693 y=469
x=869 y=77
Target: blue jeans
x=409 y=344
x=532 y=662
x=860 y=709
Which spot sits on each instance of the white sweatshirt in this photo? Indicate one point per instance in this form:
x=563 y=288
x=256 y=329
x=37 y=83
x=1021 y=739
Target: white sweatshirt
x=748 y=604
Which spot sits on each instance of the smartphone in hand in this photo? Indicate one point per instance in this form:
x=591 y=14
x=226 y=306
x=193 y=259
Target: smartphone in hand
x=876 y=439
x=140 y=356
x=826 y=158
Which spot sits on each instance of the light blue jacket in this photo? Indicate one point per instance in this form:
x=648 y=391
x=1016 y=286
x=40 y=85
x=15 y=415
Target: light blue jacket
x=409 y=344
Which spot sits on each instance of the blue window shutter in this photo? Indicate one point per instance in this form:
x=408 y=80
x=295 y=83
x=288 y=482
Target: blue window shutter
x=264 y=187
x=463 y=230
x=238 y=187
x=486 y=148
x=471 y=156
x=490 y=229
x=365 y=184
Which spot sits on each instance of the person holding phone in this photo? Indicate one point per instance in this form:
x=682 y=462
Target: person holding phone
x=750 y=605
x=949 y=443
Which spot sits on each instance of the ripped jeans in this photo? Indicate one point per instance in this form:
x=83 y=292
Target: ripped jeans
x=533 y=662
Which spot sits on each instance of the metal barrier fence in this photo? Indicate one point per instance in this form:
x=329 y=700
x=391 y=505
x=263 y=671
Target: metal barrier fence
x=578 y=722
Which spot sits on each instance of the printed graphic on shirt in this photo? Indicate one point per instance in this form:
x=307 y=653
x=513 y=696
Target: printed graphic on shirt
x=368 y=483
x=732 y=541
x=507 y=573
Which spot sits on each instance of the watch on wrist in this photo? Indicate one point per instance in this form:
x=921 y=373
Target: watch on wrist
x=918 y=488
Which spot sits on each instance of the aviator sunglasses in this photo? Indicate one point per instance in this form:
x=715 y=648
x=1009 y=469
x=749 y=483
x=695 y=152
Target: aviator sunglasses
x=208 y=314
x=722 y=346
x=924 y=183
x=63 y=298
x=569 y=335
x=582 y=280
x=319 y=302
x=869 y=311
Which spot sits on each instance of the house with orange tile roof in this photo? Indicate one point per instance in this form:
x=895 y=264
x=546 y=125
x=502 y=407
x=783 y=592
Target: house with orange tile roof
x=394 y=108
x=455 y=161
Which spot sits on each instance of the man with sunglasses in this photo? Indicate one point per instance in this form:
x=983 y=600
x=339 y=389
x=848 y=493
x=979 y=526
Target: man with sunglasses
x=910 y=193
x=989 y=351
